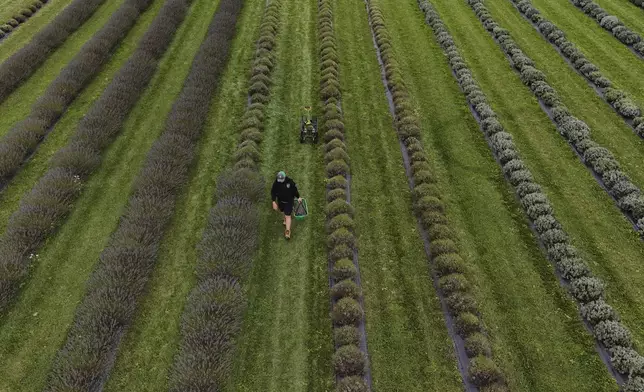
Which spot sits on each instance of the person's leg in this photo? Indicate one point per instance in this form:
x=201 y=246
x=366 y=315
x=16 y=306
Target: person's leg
x=287 y=219
x=288 y=210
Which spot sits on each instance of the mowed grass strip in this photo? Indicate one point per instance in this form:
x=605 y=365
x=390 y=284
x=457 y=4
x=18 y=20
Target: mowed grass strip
x=531 y=323
x=603 y=235
x=36 y=327
x=17 y=106
x=286 y=341
x=20 y=36
x=409 y=348
x=607 y=127
x=614 y=60
x=147 y=352
x=58 y=137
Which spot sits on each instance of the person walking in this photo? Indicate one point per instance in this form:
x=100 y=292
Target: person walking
x=283 y=192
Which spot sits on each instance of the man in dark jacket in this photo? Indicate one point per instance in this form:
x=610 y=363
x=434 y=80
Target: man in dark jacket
x=283 y=192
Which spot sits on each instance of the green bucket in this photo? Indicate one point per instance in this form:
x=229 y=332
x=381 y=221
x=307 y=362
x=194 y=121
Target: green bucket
x=301 y=209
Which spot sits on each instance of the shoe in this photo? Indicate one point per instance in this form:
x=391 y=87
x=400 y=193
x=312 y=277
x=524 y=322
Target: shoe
x=287 y=234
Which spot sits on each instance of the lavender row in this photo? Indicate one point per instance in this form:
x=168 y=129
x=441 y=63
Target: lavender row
x=587 y=290
x=454 y=287
x=44 y=208
x=598 y=159
x=617 y=98
x=612 y=24
x=17 y=68
x=214 y=311
x=23 y=139
x=350 y=360
x=21 y=17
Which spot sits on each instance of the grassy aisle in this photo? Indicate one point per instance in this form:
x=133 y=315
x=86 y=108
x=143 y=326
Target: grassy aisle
x=536 y=333
x=33 y=331
x=595 y=224
x=615 y=60
x=18 y=105
x=66 y=126
x=286 y=342
x=408 y=343
x=147 y=352
x=18 y=38
x=607 y=127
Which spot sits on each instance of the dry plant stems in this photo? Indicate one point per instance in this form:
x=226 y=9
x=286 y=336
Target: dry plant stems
x=449 y=266
x=44 y=208
x=598 y=159
x=17 y=68
x=21 y=17
x=586 y=289
x=116 y=285
x=350 y=360
x=23 y=139
x=612 y=24
x=214 y=311
x=618 y=99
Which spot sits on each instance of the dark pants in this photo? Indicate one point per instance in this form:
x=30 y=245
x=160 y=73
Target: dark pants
x=286 y=207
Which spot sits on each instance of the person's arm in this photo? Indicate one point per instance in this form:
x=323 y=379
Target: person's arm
x=296 y=192
x=274 y=191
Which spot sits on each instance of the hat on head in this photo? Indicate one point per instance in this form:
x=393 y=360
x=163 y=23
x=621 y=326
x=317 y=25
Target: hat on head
x=281 y=176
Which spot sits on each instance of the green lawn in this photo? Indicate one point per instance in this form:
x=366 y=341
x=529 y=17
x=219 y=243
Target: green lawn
x=23 y=34
x=147 y=351
x=408 y=343
x=615 y=60
x=536 y=332
x=18 y=105
x=286 y=341
x=35 y=328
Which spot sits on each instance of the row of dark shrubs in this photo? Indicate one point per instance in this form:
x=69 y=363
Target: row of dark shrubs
x=21 y=17
x=349 y=361
x=17 y=68
x=639 y=3
x=44 y=208
x=612 y=24
x=618 y=99
x=586 y=289
x=24 y=137
x=430 y=207
x=119 y=280
x=599 y=159
x=215 y=308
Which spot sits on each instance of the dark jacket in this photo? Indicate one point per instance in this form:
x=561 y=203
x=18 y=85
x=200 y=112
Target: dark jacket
x=284 y=191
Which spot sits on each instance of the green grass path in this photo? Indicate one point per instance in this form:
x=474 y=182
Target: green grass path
x=35 y=328
x=147 y=351
x=18 y=105
x=66 y=126
x=408 y=343
x=588 y=214
x=607 y=127
x=614 y=60
x=23 y=34
x=286 y=342
x=536 y=333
